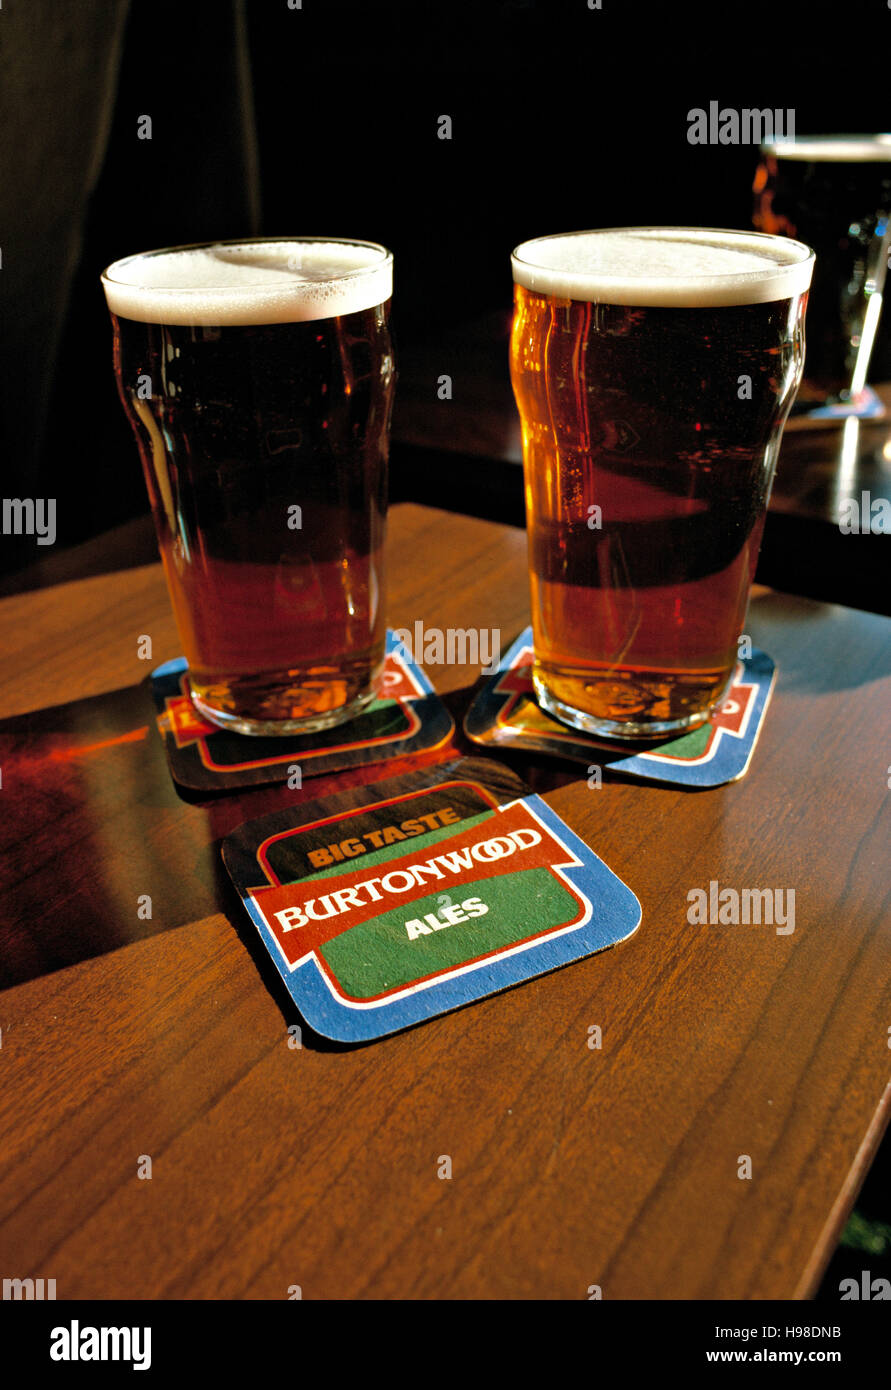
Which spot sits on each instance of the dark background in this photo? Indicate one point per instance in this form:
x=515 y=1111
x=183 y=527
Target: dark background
x=323 y=120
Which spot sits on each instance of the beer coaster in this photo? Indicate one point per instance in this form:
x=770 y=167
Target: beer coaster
x=385 y=905
x=408 y=718
x=505 y=713
x=865 y=405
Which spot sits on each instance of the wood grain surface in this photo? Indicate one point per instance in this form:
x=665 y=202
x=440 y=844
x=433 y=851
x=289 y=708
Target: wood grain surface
x=274 y=1166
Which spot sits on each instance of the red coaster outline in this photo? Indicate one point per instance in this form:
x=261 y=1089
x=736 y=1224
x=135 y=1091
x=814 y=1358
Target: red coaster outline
x=716 y=729
x=168 y=721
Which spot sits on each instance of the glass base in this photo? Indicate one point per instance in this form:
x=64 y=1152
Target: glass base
x=625 y=730
x=266 y=728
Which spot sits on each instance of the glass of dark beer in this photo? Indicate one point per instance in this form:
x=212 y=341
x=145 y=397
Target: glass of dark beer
x=834 y=192
x=653 y=370
x=258 y=378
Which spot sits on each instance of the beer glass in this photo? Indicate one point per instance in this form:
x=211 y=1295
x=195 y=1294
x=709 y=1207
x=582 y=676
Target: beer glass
x=258 y=378
x=653 y=370
x=834 y=192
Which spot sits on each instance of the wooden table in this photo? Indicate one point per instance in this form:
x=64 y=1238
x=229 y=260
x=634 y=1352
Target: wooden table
x=318 y=1167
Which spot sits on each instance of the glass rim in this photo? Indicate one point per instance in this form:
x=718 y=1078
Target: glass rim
x=861 y=148
x=373 y=268
x=694 y=233
x=785 y=273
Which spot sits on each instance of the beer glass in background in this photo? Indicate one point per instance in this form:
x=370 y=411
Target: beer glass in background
x=258 y=377
x=653 y=370
x=833 y=192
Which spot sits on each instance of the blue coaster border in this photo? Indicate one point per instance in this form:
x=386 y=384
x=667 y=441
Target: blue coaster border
x=727 y=761
x=614 y=915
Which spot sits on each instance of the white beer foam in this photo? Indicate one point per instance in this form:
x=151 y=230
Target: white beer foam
x=242 y=283
x=678 y=267
x=838 y=149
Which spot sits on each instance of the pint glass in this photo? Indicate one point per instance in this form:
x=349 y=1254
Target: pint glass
x=258 y=379
x=834 y=192
x=653 y=370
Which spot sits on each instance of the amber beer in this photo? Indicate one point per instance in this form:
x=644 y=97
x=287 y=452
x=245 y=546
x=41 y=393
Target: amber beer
x=653 y=370
x=258 y=378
